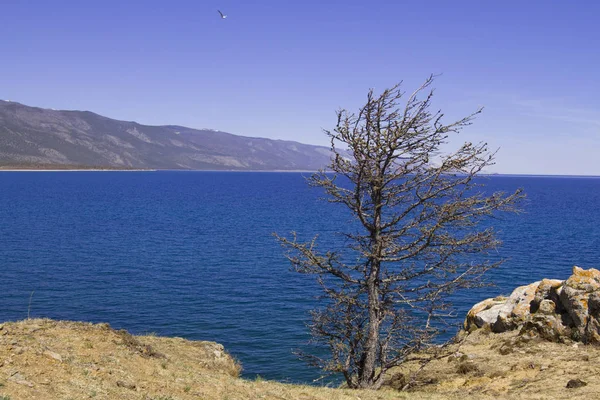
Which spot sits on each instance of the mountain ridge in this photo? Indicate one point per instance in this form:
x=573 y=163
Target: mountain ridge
x=35 y=136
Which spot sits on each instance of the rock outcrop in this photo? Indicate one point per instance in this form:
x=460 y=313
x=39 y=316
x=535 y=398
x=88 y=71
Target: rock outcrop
x=551 y=309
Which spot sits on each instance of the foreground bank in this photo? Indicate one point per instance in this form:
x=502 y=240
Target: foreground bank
x=529 y=345
x=46 y=359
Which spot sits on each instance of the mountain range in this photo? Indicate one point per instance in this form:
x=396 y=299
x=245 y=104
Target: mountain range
x=32 y=136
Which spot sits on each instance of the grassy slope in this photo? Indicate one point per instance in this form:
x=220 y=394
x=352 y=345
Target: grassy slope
x=45 y=359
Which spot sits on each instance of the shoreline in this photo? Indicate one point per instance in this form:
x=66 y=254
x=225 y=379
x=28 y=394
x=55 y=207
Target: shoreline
x=494 y=175
x=78 y=170
x=145 y=170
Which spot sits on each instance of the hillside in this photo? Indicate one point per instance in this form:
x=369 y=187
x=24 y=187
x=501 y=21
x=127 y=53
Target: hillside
x=46 y=359
x=31 y=136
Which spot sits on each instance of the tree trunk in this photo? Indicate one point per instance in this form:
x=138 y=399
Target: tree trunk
x=366 y=379
x=369 y=359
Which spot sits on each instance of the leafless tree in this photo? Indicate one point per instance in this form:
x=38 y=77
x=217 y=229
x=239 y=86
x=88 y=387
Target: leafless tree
x=418 y=240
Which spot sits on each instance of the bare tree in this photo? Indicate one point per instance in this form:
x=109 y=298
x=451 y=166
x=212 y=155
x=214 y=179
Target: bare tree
x=418 y=237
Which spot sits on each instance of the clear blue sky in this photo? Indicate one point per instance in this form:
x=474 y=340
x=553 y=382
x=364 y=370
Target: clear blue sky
x=280 y=69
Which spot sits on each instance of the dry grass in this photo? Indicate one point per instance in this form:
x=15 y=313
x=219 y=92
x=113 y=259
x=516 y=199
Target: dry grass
x=45 y=359
x=509 y=367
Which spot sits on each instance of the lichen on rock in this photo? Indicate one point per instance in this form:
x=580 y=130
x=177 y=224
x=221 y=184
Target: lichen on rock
x=550 y=309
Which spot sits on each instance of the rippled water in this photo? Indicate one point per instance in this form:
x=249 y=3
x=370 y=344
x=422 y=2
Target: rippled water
x=191 y=254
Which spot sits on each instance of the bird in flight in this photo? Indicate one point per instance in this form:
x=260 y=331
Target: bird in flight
x=223 y=16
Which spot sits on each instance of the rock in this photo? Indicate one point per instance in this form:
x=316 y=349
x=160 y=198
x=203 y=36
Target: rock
x=502 y=314
x=516 y=310
x=575 y=383
x=592 y=329
x=551 y=309
x=126 y=385
x=546 y=326
x=547 y=307
x=576 y=305
x=483 y=313
x=584 y=279
x=53 y=355
x=575 y=296
x=547 y=290
x=20 y=379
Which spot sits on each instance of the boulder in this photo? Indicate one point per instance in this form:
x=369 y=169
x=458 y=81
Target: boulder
x=546 y=326
x=502 y=313
x=550 y=309
x=516 y=310
x=575 y=296
x=483 y=313
x=547 y=289
x=592 y=330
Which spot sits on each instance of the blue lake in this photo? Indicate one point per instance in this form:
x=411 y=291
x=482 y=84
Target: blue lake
x=191 y=254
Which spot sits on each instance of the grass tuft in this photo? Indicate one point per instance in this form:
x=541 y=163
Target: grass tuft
x=467 y=368
x=135 y=345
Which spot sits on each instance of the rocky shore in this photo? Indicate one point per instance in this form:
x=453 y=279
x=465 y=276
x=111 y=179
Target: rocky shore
x=560 y=311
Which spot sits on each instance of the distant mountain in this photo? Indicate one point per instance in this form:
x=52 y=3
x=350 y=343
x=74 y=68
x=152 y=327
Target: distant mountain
x=37 y=136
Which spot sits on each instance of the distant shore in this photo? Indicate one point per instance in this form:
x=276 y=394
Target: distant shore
x=84 y=168
x=64 y=168
x=77 y=170
x=70 y=168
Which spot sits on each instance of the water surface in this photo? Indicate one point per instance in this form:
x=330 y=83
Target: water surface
x=191 y=254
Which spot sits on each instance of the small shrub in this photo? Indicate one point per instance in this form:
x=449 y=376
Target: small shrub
x=236 y=369
x=497 y=374
x=397 y=381
x=4 y=397
x=145 y=350
x=486 y=330
x=467 y=368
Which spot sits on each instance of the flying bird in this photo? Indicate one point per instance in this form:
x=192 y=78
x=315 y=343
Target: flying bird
x=223 y=16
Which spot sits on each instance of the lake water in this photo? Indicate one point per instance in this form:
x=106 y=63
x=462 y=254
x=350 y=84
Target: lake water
x=191 y=254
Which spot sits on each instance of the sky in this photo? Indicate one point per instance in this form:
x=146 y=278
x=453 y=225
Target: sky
x=280 y=69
